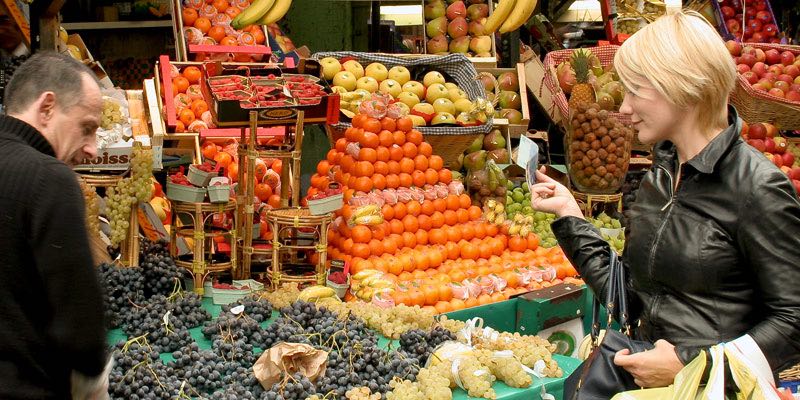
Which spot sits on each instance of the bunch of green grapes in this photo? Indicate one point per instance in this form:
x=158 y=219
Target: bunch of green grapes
x=432 y=383
x=361 y=393
x=528 y=349
x=795 y=150
x=283 y=296
x=391 y=322
x=404 y=389
x=475 y=377
x=506 y=368
x=541 y=227
x=92 y=206
x=655 y=7
x=112 y=114
x=628 y=26
x=136 y=188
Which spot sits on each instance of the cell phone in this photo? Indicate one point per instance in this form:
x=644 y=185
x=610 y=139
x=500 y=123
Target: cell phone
x=533 y=164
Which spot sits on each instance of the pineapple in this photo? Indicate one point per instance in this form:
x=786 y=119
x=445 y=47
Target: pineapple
x=582 y=91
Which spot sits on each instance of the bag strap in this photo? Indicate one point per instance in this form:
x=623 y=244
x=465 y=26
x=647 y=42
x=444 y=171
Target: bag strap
x=611 y=297
x=622 y=296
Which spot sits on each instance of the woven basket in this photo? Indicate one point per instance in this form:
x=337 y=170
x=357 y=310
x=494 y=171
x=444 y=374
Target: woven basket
x=551 y=61
x=757 y=106
x=791 y=374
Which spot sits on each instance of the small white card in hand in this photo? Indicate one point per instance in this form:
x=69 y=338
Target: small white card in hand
x=531 y=159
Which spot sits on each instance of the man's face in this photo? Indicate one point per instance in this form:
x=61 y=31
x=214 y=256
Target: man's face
x=75 y=127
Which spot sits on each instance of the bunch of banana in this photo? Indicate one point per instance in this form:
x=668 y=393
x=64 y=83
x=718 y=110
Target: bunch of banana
x=349 y=101
x=367 y=215
x=316 y=293
x=509 y=15
x=261 y=12
x=368 y=283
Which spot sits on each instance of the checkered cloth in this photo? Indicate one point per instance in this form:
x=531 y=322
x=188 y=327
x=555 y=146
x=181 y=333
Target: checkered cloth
x=456 y=66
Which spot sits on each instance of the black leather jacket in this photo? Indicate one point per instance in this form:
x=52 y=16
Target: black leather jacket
x=712 y=260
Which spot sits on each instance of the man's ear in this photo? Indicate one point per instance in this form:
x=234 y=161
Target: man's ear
x=46 y=106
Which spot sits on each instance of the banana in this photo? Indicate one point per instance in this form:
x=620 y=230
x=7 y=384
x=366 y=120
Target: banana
x=314 y=293
x=361 y=275
x=275 y=13
x=498 y=16
x=328 y=300
x=364 y=211
x=522 y=12
x=252 y=14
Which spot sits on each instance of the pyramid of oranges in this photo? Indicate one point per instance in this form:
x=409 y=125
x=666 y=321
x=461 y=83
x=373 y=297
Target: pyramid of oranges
x=426 y=247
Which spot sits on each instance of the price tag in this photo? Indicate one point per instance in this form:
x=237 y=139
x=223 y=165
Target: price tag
x=237 y=310
x=166 y=318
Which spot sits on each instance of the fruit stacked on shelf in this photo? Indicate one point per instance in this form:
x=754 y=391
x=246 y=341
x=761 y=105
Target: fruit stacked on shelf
x=433 y=101
x=128 y=192
x=224 y=23
x=773 y=71
x=759 y=23
x=454 y=27
x=584 y=79
x=785 y=155
x=520 y=219
x=633 y=15
x=509 y=104
x=611 y=230
x=407 y=220
x=485 y=180
x=191 y=109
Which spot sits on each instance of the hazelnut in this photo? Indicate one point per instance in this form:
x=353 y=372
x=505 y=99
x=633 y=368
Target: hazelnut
x=611 y=167
x=602 y=183
x=603 y=114
x=621 y=162
x=595 y=123
x=620 y=141
x=575 y=146
x=579 y=173
x=596 y=144
x=611 y=147
x=577 y=134
x=620 y=152
x=581 y=118
x=612 y=158
x=586 y=127
x=597 y=162
x=609 y=177
x=600 y=171
x=594 y=180
x=602 y=154
x=601 y=131
x=588 y=171
x=577 y=165
x=589 y=137
x=578 y=155
x=585 y=146
x=605 y=141
x=592 y=154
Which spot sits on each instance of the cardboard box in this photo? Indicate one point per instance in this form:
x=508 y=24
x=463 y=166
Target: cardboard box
x=534 y=79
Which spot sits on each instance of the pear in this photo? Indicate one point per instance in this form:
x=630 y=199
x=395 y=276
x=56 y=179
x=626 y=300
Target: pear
x=476 y=145
x=475 y=161
x=500 y=156
x=494 y=140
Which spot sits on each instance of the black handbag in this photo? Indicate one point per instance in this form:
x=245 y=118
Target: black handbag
x=598 y=378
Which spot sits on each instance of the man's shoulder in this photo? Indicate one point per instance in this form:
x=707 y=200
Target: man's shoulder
x=20 y=160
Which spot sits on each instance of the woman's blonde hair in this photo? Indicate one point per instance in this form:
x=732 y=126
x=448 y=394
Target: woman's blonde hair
x=683 y=57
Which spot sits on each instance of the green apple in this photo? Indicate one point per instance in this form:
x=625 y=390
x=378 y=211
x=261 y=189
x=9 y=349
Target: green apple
x=450 y=85
x=391 y=87
x=443 y=118
x=462 y=105
x=354 y=67
x=367 y=83
x=433 y=77
x=415 y=87
x=443 y=104
x=330 y=66
x=416 y=120
x=338 y=89
x=400 y=74
x=377 y=71
x=424 y=110
x=456 y=94
x=345 y=79
x=408 y=98
x=436 y=91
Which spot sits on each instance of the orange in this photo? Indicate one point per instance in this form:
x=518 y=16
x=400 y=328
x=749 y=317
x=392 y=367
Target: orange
x=435 y=161
x=417 y=297
x=410 y=150
x=381 y=168
x=221 y=5
x=453 y=234
x=361 y=234
x=363 y=184
x=217 y=33
x=467 y=232
x=385 y=138
x=198 y=107
x=457 y=275
x=443 y=306
x=364 y=168
x=192 y=73
x=533 y=241
x=388 y=124
x=257 y=33
x=484 y=299
x=189 y=16
x=395 y=153
x=405 y=180
x=369 y=140
x=431 y=294
x=498 y=297
x=480 y=230
x=367 y=154
x=492 y=230
x=422 y=238
x=418 y=178
x=464 y=200
x=209 y=150
x=323 y=167
x=463 y=216
x=400 y=211
x=440 y=205
x=186 y=117
x=405 y=124
x=388 y=212
x=410 y=223
x=360 y=250
x=203 y=23
x=421 y=162
x=376 y=247
x=475 y=213
x=425 y=149
x=396 y=226
x=379 y=181
x=382 y=154
x=517 y=243
x=399 y=138
x=445 y=176
x=392 y=181
x=393 y=166
x=452 y=202
x=409 y=239
x=485 y=252
x=358 y=120
x=180 y=84
x=414 y=136
x=229 y=41
x=413 y=207
x=180 y=127
x=341 y=145
x=372 y=125
x=389 y=247
x=450 y=217
x=407 y=165
x=437 y=236
x=469 y=251
x=431 y=176
x=437 y=219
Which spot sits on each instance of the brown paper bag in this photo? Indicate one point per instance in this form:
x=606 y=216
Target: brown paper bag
x=289 y=358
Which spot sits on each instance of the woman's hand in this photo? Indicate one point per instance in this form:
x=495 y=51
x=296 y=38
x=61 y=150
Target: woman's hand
x=652 y=368
x=552 y=197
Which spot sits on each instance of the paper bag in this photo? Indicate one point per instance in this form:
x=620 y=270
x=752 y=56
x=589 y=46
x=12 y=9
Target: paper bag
x=289 y=358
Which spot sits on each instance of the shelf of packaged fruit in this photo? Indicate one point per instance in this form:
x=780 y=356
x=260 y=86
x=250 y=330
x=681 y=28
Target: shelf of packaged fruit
x=86 y=26
x=552 y=386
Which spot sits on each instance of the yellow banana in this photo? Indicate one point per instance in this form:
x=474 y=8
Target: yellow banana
x=275 y=13
x=498 y=16
x=315 y=293
x=522 y=12
x=366 y=210
x=361 y=275
x=252 y=14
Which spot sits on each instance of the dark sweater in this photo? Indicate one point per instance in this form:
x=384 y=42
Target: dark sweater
x=51 y=318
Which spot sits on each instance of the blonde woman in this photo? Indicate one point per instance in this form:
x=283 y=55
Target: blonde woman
x=713 y=243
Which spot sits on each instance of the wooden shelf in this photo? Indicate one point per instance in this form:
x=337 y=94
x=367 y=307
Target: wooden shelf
x=83 y=26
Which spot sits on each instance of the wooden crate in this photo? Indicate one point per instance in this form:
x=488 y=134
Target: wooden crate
x=535 y=73
x=514 y=130
x=478 y=62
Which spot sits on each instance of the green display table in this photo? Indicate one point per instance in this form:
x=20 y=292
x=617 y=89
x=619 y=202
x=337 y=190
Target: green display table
x=553 y=386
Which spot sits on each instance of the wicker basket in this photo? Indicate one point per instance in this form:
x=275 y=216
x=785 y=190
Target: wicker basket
x=551 y=61
x=757 y=106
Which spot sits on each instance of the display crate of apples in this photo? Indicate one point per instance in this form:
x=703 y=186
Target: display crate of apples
x=783 y=152
x=460 y=27
x=759 y=21
x=412 y=225
x=215 y=30
x=510 y=89
x=768 y=88
x=633 y=15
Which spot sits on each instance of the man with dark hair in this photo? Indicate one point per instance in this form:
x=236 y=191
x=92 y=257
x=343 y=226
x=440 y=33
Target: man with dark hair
x=52 y=338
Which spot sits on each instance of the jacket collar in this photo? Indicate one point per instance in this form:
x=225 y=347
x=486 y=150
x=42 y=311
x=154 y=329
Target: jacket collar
x=705 y=161
x=16 y=129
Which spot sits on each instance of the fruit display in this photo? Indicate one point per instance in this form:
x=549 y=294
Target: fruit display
x=584 y=79
x=520 y=218
x=430 y=99
x=632 y=15
x=598 y=149
x=112 y=114
x=611 y=230
x=455 y=27
x=191 y=108
x=509 y=101
x=121 y=198
x=759 y=22
x=487 y=183
x=765 y=138
x=228 y=23
x=509 y=15
x=771 y=71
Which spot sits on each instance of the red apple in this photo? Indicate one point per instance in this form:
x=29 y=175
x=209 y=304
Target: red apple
x=764 y=17
x=759 y=68
x=770 y=130
x=774 y=40
x=793 y=96
x=786 y=170
x=758 y=144
x=769 y=145
x=777 y=92
x=758 y=37
x=734 y=47
x=780 y=145
x=795 y=87
x=770 y=30
x=727 y=11
x=770 y=76
x=776 y=69
x=762 y=86
x=757 y=131
x=796 y=173
x=782 y=85
x=787 y=57
x=749 y=50
x=773 y=56
x=733 y=26
x=742 y=68
x=796 y=185
x=766 y=83
x=797 y=80
x=777 y=160
x=786 y=78
x=788 y=158
x=750 y=76
x=750 y=13
x=792 y=71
